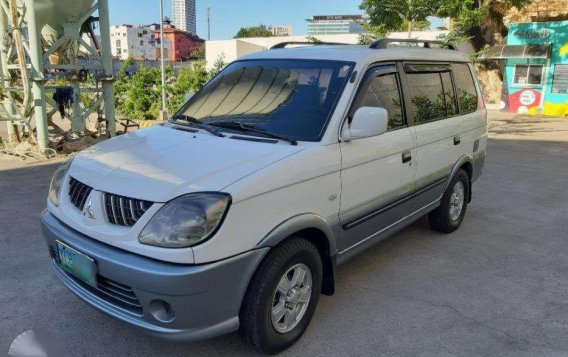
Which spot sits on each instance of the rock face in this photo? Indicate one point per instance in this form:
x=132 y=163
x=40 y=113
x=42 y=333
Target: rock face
x=538 y=11
x=490 y=77
x=490 y=82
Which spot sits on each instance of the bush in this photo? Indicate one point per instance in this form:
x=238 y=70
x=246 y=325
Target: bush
x=140 y=96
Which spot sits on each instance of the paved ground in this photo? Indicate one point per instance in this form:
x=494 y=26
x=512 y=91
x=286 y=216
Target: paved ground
x=497 y=287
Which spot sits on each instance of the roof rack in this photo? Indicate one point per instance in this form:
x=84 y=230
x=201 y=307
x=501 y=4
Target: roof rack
x=286 y=44
x=383 y=43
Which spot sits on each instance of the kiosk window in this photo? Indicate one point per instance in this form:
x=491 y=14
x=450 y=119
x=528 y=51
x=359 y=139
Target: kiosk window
x=528 y=74
x=560 y=81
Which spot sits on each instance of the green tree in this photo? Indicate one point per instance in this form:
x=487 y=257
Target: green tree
x=313 y=39
x=254 y=31
x=189 y=80
x=371 y=34
x=479 y=20
x=199 y=54
x=398 y=15
x=217 y=66
x=139 y=96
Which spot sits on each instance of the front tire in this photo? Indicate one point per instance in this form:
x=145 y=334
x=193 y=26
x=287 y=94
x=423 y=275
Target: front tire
x=449 y=216
x=282 y=296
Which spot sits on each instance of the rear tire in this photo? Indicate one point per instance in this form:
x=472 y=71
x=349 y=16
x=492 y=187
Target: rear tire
x=449 y=216
x=282 y=296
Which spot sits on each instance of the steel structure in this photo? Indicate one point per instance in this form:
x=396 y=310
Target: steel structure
x=42 y=40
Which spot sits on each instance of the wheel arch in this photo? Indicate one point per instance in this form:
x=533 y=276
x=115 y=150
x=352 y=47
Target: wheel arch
x=319 y=232
x=465 y=163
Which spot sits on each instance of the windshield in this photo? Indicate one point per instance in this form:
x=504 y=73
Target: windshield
x=289 y=98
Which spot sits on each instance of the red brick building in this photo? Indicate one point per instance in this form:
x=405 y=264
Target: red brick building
x=183 y=43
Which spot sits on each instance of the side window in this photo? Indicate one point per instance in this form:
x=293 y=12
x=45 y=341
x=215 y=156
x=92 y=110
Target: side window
x=382 y=91
x=449 y=94
x=465 y=87
x=427 y=97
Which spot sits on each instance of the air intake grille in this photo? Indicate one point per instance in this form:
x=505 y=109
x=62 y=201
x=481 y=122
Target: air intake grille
x=124 y=211
x=78 y=193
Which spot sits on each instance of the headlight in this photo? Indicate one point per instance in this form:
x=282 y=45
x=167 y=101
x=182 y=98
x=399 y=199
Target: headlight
x=57 y=181
x=186 y=221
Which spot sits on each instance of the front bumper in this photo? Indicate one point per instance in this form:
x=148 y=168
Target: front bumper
x=205 y=299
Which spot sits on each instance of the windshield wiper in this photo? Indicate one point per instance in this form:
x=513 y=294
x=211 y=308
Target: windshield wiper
x=235 y=125
x=198 y=124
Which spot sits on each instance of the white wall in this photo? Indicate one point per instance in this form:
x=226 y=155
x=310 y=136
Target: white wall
x=233 y=49
x=136 y=42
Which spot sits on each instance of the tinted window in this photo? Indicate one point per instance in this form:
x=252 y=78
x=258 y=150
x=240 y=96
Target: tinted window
x=449 y=93
x=293 y=98
x=382 y=91
x=465 y=87
x=427 y=97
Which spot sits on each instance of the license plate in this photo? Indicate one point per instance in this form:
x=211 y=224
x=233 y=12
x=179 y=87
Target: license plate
x=76 y=263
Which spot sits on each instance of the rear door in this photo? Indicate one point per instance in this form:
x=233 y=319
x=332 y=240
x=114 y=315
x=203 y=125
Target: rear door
x=444 y=132
x=377 y=172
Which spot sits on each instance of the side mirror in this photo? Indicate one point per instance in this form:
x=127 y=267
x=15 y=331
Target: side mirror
x=367 y=122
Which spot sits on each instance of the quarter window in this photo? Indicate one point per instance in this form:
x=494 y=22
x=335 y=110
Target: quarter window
x=449 y=93
x=383 y=91
x=465 y=87
x=530 y=74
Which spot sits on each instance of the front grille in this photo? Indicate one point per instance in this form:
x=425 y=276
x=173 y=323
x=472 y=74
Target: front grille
x=114 y=293
x=119 y=294
x=78 y=193
x=124 y=211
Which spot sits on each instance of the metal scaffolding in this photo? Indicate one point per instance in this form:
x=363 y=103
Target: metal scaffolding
x=42 y=40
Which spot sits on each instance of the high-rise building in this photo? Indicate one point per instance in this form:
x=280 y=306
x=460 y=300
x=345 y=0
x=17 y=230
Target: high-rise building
x=336 y=24
x=184 y=15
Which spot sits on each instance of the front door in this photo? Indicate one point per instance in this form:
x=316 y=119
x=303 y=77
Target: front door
x=377 y=172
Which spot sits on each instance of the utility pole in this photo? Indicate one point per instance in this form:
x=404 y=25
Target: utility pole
x=209 y=22
x=164 y=114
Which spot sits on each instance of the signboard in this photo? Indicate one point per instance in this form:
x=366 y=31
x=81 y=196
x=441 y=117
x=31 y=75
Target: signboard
x=338 y=18
x=542 y=33
x=527 y=97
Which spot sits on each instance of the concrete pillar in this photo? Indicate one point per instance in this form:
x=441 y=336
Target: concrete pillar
x=38 y=88
x=9 y=99
x=108 y=93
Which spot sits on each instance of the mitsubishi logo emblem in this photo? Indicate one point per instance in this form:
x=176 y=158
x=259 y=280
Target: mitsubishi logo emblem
x=88 y=211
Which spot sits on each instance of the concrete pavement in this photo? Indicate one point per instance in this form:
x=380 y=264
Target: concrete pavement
x=496 y=287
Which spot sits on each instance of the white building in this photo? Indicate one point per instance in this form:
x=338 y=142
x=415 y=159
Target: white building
x=184 y=15
x=281 y=30
x=136 y=42
x=336 y=24
x=231 y=50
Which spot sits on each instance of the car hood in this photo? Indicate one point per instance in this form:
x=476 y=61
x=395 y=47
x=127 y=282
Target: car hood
x=161 y=163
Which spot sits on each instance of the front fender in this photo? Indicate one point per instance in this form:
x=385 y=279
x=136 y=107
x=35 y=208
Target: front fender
x=326 y=241
x=299 y=223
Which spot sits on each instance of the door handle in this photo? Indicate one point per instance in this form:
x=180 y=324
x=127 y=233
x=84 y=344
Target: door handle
x=457 y=140
x=406 y=157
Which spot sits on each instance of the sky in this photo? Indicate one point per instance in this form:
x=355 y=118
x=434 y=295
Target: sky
x=228 y=16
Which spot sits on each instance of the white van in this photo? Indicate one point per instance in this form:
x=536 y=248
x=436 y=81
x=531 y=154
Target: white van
x=235 y=214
